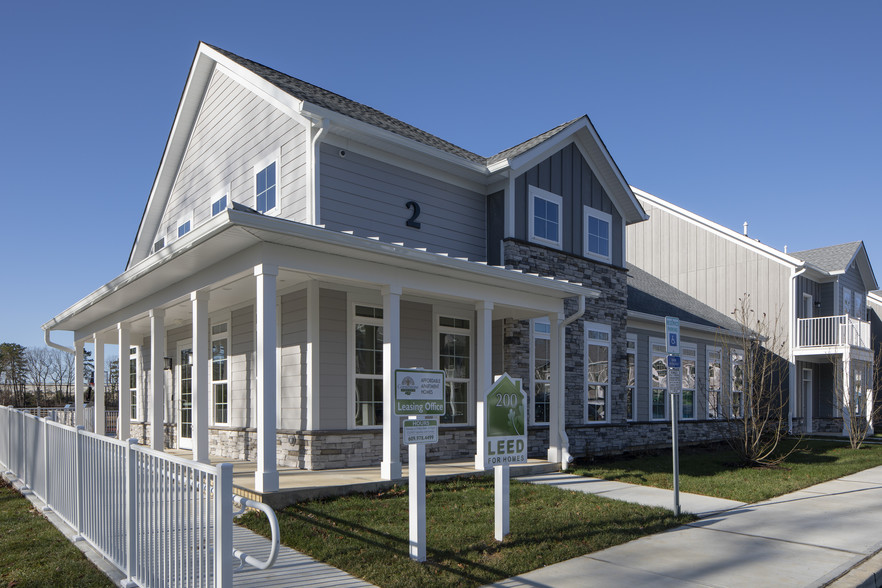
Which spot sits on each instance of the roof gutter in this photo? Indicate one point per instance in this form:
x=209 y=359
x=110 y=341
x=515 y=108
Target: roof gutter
x=565 y=457
x=47 y=333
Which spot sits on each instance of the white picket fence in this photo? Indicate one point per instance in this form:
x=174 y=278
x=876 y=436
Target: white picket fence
x=159 y=518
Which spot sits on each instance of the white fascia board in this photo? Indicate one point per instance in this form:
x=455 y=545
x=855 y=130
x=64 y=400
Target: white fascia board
x=601 y=162
x=874 y=297
x=864 y=267
x=175 y=147
x=349 y=127
x=685 y=325
x=726 y=232
x=433 y=171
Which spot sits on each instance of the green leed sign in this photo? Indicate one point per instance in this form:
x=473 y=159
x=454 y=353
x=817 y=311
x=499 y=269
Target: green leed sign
x=419 y=392
x=505 y=411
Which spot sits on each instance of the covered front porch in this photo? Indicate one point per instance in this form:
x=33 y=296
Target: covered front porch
x=251 y=332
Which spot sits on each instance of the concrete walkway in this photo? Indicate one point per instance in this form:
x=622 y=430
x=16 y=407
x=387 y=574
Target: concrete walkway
x=828 y=533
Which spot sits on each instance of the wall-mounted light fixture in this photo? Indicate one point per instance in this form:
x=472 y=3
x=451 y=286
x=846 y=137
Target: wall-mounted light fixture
x=818 y=304
x=169 y=363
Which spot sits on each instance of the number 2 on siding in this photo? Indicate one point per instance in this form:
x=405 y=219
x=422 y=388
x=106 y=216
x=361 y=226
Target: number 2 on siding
x=412 y=221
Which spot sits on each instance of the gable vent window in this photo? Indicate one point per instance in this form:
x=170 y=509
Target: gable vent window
x=183 y=228
x=266 y=188
x=219 y=205
x=158 y=245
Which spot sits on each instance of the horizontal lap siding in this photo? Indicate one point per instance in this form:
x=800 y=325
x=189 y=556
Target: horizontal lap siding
x=294 y=367
x=416 y=335
x=709 y=267
x=242 y=376
x=567 y=174
x=234 y=128
x=368 y=196
x=333 y=365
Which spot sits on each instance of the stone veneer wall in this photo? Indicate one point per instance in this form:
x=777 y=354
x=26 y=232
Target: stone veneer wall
x=609 y=309
x=144 y=434
x=827 y=425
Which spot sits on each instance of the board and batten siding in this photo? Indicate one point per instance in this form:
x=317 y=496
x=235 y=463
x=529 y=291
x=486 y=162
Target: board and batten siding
x=567 y=174
x=416 y=335
x=708 y=266
x=852 y=280
x=333 y=363
x=294 y=375
x=234 y=129
x=369 y=197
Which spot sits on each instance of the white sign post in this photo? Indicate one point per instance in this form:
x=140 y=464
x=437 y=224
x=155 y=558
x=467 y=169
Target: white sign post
x=418 y=393
x=506 y=429
x=675 y=387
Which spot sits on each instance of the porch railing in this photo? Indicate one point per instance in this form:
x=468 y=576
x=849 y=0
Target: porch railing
x=833 y=331
x=162 y=520
x=65 y=415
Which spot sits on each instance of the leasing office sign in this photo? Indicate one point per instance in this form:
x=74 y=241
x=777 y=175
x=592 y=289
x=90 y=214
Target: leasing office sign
x=419 y=392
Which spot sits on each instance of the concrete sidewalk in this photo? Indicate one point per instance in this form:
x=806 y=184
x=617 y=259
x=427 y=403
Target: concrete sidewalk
x=828 y=533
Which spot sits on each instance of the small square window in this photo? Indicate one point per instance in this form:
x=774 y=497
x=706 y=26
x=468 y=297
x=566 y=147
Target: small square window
x=219 y=205
x=597 y=234
x=158 y=245
x=183 y=228
x=545 y=217
x=265 y=188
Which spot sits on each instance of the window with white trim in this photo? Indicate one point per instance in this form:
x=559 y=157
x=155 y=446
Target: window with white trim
x=846 y=301
x=597 y=367
x=736 y=409
x=454 y=359
x=183 y=227
x=545 y=217
x=598 y=237
x=631 y=383
x=220 y=373
x=368 y=333
x=658 y=408
x=541 y=360
x=160 y=243
x=219 y=205
x=265 y=187
x=714 y=382
x=689 y=365
x=133 y=382
x=859 y=307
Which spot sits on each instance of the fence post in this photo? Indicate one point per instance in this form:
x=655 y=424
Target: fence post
x=223 y=525
x=131 y=514
x=9 y=471
x=47 y=507
x=25 y=488
x=80 y=489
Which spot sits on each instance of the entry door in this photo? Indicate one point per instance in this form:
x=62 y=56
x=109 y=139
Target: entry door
x=185 y=386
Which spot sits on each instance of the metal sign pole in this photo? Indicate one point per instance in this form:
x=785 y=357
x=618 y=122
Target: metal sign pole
x=675 y=449
x=417 y=499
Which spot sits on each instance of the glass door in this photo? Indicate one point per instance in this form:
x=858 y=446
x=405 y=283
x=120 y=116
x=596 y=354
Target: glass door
x=185 y=386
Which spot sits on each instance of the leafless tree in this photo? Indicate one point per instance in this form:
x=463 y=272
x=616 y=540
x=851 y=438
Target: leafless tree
x=39 y=362
x=755 y=399
x=856 y=402
x=63 y=373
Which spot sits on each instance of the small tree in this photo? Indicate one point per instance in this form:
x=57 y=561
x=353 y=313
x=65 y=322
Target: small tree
x=14 y=370
x=755 y=399
x=854 y=396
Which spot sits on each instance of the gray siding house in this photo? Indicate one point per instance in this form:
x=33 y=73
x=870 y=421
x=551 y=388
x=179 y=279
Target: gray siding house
x=297 y=247
x=815 y=300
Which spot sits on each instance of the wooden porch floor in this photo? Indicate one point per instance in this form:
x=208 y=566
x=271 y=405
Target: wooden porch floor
x=296 y=485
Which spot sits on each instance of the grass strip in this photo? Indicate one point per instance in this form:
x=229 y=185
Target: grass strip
x=34 y=553
x=367 y=535
x=714 y=471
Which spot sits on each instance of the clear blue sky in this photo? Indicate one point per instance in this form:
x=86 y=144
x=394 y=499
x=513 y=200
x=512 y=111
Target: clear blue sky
x=769 y=112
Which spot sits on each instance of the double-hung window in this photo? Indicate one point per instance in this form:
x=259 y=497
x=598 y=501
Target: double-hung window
x=133 y=382
x=220 y=384
x=659 y=389
x=454 y=359
x=597 y=360
x=736 y=408
x=368 y=326
x=545 y=217
x=714 y=382
x=689 y=365
x=266 y=186
x=631 y=383
x=541 y=370
x=597 y=241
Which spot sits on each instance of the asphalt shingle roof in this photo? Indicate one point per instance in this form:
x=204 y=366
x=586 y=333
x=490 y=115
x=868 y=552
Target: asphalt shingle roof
x=361 y=112
x=834 y=258
x=650 y=295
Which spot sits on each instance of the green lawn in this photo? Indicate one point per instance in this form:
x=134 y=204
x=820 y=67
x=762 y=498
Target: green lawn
x=34 y=553
x=711 y=471
x=367 y=535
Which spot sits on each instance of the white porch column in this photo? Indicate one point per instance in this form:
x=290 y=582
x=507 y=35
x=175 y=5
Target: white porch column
x=79 y=388
x=200 y=375
x=266 y=478
x=867 y=382
x=157 y=379
x=556 y=405
x=123 y=427
x=390 y=469
x=312 y=356
x=98 y=356
x=846 y=392
x=483 y=373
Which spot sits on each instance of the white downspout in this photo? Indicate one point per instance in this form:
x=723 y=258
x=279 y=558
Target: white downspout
x=46 y=335
x=315 y=210
x=565 y=457
x=794 y=321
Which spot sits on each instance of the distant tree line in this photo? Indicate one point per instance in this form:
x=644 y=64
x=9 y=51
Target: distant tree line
x=44 y=376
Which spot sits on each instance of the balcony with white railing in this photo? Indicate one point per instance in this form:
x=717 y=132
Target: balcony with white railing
x=826 y=333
